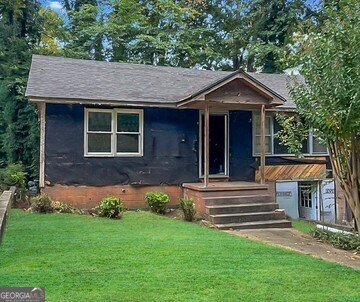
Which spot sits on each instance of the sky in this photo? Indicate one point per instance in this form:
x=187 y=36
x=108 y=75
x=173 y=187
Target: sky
x=55 y=5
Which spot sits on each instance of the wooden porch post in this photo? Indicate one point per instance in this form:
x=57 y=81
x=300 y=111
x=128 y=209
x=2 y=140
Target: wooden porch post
x=206 y=145
x=262 y=159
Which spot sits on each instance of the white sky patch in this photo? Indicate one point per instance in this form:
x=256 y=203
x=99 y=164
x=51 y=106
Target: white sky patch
x=55 y=5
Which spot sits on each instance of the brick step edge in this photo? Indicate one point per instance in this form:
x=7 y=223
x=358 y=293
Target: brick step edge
x=241 y=205
x=255 y=225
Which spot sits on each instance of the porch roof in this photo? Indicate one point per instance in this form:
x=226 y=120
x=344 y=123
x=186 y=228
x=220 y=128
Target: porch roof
x=238 y=90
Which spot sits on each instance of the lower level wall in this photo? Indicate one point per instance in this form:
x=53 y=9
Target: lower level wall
x=343 y=212
x=86 y=197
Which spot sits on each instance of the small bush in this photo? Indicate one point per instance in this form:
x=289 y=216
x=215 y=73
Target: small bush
x=187 y=205
x=61 y=207
x=110 y=207
x=41 y=204
x=12 y=175
x=157 y=201
x=341 y=240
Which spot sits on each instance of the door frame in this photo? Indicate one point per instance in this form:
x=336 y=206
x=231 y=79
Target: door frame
x=314 y=199
x=201 y=138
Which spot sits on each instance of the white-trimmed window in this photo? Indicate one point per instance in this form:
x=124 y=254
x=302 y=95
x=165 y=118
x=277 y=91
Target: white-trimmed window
x=113 y=132
x=311 y=146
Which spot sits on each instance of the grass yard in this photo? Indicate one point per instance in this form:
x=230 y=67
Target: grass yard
x=302 y=226
x=144 y=257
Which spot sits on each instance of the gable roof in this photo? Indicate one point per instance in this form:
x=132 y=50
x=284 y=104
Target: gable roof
x=87 y=80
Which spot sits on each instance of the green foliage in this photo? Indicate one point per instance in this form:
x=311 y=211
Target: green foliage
x=111 y=207
x=12 y=175
x=302 y=226
x=41 y=204
x=341 y=240
x=20 y=28
x=257 y=32
x=293 y=133
x=187 y=205
x=60 y=207
x=328 y=100
x=157 y=201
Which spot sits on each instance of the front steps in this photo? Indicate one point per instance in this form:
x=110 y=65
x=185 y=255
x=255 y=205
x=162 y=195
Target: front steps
x=239 y=207
x=245 y=212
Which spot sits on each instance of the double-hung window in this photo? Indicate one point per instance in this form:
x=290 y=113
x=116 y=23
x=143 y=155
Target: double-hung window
x=268 y=134
x=311 y=145
x=113 y=132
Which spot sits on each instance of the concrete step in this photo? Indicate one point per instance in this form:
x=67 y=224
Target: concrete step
x=246 y=217
x=234 y=200
x=242 y=208
x=255 y=225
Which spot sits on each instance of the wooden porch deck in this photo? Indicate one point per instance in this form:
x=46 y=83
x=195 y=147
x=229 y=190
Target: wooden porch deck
x=225 y=186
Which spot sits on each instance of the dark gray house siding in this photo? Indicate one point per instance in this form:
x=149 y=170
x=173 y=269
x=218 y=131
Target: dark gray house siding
x=171 y=149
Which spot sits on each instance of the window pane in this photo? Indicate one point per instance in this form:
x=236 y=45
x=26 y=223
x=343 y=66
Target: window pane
x=100 y=121
x=258 y=124
x=127 y=143
x=258 y=144
x=278 y=149
x=127 y=122
x=317 y=147
x=305 y=146
x=99 y=142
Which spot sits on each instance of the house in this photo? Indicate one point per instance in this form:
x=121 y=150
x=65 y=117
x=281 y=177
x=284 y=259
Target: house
x=125 y=129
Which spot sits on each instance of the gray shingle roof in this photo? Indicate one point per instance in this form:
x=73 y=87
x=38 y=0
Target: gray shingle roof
x=64 y=78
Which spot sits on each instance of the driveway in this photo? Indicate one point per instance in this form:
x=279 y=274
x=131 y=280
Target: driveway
x=299 y=242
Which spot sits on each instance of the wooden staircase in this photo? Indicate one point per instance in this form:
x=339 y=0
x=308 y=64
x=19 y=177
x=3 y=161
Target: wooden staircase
x=241 y=206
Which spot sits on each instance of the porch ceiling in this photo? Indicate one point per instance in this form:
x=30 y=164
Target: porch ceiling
x=239 y=91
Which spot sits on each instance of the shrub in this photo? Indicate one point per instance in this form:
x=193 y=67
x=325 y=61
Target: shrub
x=12 y=175
x=61 y=207
x=41 y=204
x=187 y=205
x=157 y=201
x=110 y=207
x=342 y=240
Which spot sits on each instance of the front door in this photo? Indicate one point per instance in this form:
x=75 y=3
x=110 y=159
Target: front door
x=218 y=144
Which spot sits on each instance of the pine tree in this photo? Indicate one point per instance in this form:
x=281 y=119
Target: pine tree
x=85 y=29
x=19 y=33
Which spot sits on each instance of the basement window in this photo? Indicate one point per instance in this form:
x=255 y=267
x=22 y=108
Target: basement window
x=113 y=132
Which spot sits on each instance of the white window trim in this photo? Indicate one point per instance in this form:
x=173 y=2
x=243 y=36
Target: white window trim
x=271 y=135
x=114 y=133
x=272 y=154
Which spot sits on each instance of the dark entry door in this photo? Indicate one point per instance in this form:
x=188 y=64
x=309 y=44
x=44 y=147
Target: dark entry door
x=218 y=146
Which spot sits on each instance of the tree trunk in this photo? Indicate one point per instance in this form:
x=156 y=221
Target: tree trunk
x=345 y=160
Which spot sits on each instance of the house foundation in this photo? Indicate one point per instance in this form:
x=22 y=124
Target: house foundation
x=87 y=197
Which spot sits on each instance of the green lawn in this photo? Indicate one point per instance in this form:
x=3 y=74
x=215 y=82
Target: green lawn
x=302 y=226
x=144 y=257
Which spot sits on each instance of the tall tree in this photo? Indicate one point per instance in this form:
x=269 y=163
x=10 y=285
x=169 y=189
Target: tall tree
x=85 y=28
x=167 y=32
x=19 y=33
x=257 y=31
x=329 y=101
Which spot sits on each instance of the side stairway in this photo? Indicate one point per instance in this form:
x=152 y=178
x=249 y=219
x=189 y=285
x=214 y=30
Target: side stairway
x=242 y=207
x=245 y=212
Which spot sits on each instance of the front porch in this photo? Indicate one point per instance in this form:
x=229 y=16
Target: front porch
x=234 y=204
x=237 y=204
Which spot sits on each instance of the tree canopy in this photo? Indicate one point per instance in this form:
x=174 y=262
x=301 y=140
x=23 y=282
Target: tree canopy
x=207 y=34
x=329 y=99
